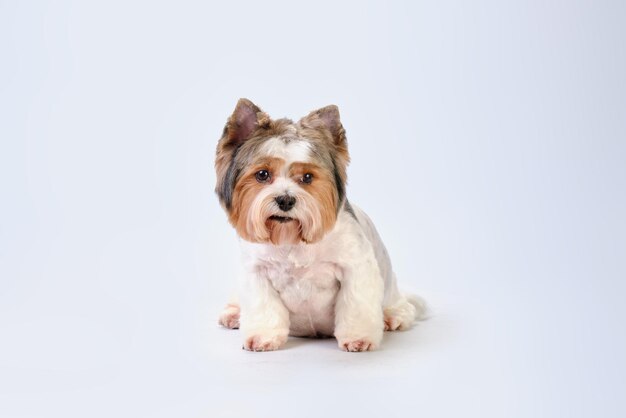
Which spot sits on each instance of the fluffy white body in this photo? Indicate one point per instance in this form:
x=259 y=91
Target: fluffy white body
x=313 y=264
x=341 y=286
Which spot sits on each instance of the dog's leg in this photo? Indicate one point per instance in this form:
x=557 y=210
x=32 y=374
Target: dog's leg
x=358 y=312
x=264 y=317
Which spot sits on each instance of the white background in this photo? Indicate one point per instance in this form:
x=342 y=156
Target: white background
x=489 y=146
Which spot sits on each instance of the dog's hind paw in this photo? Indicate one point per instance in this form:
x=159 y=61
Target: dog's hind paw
x=229 y=318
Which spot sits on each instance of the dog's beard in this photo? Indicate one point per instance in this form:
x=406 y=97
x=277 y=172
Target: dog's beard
x=266 y=223
x=283 y=230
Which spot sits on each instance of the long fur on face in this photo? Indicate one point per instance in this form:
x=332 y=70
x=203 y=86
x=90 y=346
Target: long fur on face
x=252 y=142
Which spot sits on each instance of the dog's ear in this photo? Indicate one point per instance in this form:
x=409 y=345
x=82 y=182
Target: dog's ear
x=241 y=126
x=327 y=118
x=246 y=118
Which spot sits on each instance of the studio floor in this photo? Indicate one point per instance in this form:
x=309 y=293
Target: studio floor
x=461 y=361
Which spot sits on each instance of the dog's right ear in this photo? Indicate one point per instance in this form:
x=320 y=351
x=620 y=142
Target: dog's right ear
x=241 y=125
x=246 y=118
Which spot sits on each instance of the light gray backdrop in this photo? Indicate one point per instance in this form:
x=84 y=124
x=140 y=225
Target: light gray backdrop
x=488 y=145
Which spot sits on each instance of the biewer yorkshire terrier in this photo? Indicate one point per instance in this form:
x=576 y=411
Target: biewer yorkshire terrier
x=314 y=263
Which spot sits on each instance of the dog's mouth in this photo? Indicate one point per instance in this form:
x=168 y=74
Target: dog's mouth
x=281 y=219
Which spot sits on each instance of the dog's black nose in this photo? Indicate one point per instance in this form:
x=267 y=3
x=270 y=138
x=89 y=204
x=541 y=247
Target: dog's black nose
x=285 y=202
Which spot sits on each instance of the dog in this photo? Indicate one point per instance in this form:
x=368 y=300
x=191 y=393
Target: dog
x=314 y=264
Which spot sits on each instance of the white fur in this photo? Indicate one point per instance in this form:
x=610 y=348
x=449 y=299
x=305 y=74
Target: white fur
x=291 y=150
x=342 y=285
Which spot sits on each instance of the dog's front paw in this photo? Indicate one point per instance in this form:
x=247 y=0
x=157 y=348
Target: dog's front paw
x=265 y=341
x=357 y=345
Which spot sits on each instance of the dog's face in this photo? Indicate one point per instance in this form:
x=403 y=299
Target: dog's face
x=282 y=182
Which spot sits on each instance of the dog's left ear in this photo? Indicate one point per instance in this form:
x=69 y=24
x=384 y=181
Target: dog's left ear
x=327 y=118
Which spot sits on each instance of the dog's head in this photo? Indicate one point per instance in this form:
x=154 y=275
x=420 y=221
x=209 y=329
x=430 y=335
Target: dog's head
x=282 y=182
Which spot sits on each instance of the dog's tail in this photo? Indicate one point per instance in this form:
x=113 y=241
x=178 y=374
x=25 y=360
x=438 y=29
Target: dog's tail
x=421 y=307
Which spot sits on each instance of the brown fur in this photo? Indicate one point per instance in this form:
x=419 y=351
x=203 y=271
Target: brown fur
x=322 y=189
x=236 y=164
x=324 y=125
x=284 y=233
x=242 y=136
x=245 y=191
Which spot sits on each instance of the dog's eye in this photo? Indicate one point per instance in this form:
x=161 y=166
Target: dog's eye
x=307 y=178
x=262 y=176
